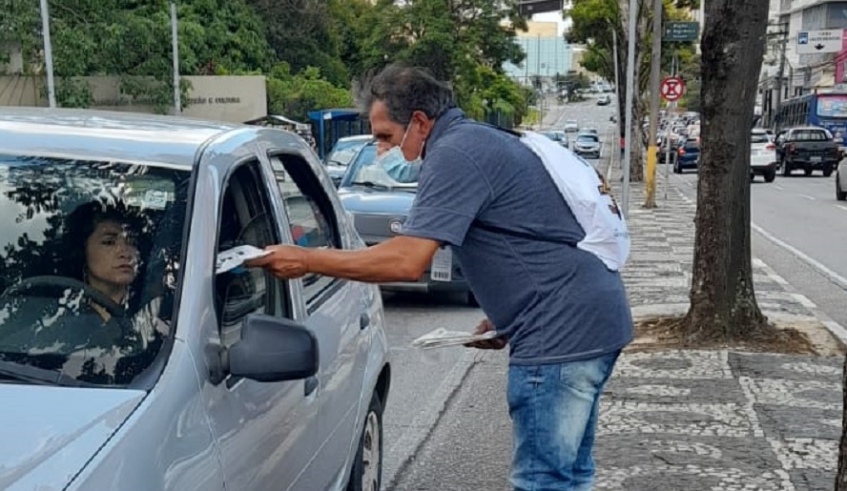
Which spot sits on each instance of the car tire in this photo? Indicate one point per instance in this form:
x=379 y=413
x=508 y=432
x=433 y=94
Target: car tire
x=840 y=194
x=807 y=172
x=786 y=169
x=827 y=171
x=366 y=474
x=770 y=175
x=676 y=168
x=472 y=300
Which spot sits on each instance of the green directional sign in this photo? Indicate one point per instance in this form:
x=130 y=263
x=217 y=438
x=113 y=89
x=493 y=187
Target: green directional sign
x=681 y=31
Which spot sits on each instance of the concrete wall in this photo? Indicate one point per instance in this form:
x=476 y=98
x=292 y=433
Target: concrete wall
x=221 y=98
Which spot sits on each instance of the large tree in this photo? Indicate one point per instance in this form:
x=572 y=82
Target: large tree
x=464 y=41
x=723 y=301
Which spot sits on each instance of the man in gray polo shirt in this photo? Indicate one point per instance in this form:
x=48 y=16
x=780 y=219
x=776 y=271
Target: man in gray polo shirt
x=564 y=315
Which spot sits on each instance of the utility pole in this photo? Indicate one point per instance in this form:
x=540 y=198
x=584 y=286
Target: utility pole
x=630 y=102
x=48 y=54
x=783 y=42
x=655 y=73
x=175 y=50
x=674 y=72
x=618 y=121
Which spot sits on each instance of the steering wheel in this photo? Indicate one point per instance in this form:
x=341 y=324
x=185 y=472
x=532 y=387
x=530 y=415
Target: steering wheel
x=107 y=303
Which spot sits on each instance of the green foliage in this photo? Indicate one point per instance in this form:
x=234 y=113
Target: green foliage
x=296 y=95
x=132 y=39
x=310 y=50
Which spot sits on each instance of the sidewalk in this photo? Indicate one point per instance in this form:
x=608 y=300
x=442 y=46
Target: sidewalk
x=672 y=420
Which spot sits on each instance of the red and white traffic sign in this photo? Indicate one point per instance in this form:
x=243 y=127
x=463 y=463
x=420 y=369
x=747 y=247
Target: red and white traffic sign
x=672 y=89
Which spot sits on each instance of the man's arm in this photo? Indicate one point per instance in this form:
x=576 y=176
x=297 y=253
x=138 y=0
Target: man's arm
x=398 y=259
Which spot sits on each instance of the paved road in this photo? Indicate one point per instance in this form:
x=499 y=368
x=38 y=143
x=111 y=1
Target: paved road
x=799 y=230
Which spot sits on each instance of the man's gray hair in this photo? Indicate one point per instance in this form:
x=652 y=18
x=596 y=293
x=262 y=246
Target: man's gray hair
x=404 y=90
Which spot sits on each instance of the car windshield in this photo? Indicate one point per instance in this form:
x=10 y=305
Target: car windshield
x=759 y=138
x=89 y=256
x=586 y=139
x=365 y=172
x=809 y=135
x=344 y=151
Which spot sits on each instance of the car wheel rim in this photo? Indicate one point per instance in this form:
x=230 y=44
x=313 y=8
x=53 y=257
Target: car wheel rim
x=371 y=454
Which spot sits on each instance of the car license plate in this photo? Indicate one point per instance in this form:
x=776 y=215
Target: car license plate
x=816 y=159
x=442 y=264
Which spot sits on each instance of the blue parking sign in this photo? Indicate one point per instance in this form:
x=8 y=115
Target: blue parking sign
x=802 y=38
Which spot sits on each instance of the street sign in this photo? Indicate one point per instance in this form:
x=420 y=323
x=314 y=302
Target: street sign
x=681 y=32
x=672 y=89
x=812 y=42
x=529 y=7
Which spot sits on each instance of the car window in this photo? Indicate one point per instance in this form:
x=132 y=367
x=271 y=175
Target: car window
x=809 y=135
x=246 y=218
x=587 y=139
x=310 y=214
x=759 y=138
x=89 y=261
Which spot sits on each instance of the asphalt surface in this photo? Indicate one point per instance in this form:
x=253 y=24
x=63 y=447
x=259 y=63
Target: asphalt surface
x=799 y=230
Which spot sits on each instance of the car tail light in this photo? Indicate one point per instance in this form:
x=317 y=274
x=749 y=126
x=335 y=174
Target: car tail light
x=681 y=152
x=770 y=146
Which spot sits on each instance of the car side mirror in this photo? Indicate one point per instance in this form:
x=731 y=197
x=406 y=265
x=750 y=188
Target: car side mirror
x=273 y=349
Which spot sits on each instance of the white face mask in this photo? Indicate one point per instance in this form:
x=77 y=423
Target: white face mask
x=394 y=162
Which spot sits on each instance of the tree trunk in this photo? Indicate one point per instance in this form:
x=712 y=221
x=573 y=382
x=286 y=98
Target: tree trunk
x=636 y=165
x=723 y=301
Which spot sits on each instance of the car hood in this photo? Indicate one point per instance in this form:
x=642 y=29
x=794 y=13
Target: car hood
x=366 y=201
x=50 y=433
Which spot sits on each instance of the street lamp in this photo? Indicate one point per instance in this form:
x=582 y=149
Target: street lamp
x=175 y=50
x=48 y=53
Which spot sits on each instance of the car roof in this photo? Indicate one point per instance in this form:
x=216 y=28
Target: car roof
x=355 y=138
x=111 y=135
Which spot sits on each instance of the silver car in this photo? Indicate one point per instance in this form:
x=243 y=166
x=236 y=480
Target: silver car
x=380 y=206
x=132 y=356
x=587 y=145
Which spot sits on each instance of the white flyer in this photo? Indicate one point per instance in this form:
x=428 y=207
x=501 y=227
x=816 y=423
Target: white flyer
x=442 y=264
x=440 y=338
x=235 y=257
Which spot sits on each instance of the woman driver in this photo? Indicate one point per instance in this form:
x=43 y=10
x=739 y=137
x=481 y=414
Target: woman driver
x=101 y=238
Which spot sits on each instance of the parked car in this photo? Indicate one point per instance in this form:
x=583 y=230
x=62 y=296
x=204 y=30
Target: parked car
x=127 y=360
x=808 y=148
x=841 y=182
x=587 y=145
x=687 y=156
x=763 y=160
x=571 y=126
x=604 y=100
x=380 y=206
x=559 y=137
x=342 y=153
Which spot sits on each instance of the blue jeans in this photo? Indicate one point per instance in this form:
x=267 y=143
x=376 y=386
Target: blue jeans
x=554 y=411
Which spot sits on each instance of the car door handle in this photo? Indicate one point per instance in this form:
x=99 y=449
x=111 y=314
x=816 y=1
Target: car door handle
x=364 y=321
x=311 y=385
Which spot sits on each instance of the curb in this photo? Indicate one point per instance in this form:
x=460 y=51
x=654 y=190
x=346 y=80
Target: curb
x=403 y=452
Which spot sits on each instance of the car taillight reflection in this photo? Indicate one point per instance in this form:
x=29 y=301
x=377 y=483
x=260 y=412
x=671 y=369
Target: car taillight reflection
x=770 y=146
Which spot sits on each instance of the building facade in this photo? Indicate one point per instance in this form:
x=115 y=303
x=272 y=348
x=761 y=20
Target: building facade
x=547 y=54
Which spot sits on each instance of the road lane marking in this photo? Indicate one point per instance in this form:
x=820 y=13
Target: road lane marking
x=814 y=263
x=810 y=198
x=842 y=207
x=779 y=187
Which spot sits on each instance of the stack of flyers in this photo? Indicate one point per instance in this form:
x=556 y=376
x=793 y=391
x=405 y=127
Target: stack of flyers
x=440 y=338
x=235 y=257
